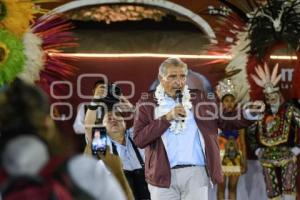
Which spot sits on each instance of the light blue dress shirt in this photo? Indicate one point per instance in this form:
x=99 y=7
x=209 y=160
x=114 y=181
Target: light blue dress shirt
x=183 y=148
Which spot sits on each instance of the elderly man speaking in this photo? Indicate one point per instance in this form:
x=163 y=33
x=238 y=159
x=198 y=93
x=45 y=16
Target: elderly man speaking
x=178 y=129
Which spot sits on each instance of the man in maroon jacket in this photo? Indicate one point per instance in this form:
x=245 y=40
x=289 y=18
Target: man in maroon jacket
x=178 y=129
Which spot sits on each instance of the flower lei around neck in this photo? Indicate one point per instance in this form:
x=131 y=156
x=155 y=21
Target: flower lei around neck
x=177 y=126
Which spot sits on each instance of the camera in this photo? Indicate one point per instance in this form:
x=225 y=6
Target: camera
x=113 y=93
x=99 y=140
x=112 y=96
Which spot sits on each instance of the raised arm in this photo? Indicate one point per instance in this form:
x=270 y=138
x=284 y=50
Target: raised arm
x=89 y=122
x=227 y=121
x=78 y=124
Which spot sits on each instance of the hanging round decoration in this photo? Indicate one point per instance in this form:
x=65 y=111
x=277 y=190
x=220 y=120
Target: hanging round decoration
x=12 y=58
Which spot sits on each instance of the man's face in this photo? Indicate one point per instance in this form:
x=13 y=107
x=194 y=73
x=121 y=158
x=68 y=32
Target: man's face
x=114 y=124
x=175 y=79
x=100 y=90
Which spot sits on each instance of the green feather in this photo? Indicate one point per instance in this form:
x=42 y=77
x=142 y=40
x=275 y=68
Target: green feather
x=15 y=61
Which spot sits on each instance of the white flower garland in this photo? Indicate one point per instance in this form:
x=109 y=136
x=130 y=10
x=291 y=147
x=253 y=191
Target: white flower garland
x=177 y=126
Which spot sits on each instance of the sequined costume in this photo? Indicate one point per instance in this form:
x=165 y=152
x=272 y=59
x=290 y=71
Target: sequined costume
x=231 y=142
x=275 y=135
x=232 y=152
x=274 y=138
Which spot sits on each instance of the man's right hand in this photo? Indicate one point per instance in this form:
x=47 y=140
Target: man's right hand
x=176 y=113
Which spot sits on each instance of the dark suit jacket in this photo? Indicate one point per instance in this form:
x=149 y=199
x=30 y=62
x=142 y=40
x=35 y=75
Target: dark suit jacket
x=148 y=132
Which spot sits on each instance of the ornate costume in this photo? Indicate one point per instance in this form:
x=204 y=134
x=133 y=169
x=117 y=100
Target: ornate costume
x=27 y=45
x=251 y=31
x=232 y=152
x=274 y=137
x=232 y=143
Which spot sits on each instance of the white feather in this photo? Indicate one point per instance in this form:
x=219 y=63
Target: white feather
x=262 y=75
x=241 y=94
x=259 y=72
x=276 y=81
x=267 y=72
x=34 y=57
x=274 y=73
x=239 y=62
x=257 y=80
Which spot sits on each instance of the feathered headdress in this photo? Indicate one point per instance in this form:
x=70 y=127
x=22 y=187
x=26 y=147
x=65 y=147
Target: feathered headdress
x=25 y=45
x=28 y=58
x=47 y=35
x=250 y=31
x=267 y=80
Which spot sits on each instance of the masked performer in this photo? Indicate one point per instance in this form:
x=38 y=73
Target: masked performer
x=275 y=134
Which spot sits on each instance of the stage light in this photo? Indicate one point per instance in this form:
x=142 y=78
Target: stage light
x=128 y=55
x=154 y=55
x=282 y=57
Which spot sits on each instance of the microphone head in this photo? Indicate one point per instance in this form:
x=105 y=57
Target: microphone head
x=178 y=95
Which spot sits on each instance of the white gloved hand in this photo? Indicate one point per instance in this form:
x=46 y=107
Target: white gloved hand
x=295 y=151
x=258 y=152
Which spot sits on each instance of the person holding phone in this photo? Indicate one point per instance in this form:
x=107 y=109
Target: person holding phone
x=99 y=90
x=93 y=127
x=133 y=158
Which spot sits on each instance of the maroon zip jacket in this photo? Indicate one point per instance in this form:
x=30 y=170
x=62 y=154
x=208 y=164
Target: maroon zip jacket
x=148 y=132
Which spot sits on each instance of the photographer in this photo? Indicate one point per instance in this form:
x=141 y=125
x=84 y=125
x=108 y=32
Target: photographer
x=105 y=97
x=100 y=91
x=107 y=153
x=132 y=157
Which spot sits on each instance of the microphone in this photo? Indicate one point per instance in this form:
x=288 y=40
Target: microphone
x=178 y=95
